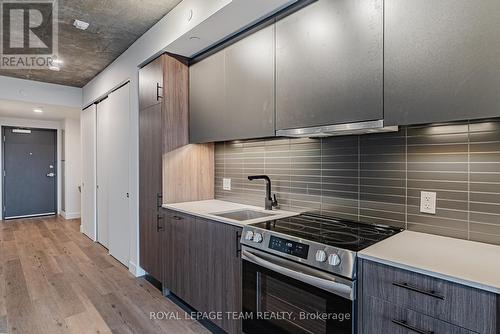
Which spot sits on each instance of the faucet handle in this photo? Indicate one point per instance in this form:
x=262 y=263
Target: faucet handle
x=275 y=201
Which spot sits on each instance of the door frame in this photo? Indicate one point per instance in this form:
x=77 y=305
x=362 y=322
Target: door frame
x=34 y=125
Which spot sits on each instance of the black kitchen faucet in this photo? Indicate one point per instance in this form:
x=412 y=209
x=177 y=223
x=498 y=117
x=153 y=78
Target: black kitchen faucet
x=270 y=200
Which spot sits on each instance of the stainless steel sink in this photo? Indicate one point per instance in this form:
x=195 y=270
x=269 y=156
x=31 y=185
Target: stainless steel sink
x=242 y=215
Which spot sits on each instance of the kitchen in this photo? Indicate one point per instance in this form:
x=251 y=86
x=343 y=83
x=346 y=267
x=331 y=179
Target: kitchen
x=327 y=166
x=371 y=145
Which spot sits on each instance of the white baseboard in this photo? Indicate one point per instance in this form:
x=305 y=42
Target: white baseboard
x=70 y=215
x=135 y=270
x=85 y=234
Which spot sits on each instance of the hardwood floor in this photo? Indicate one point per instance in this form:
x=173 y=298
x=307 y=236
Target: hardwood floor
x=53 y=279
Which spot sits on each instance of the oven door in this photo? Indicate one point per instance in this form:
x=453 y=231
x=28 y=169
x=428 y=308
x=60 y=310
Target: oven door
x=281 y=296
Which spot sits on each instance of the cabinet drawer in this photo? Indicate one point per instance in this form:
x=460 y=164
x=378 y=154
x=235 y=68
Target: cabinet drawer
x=382 y=317
x=454 y=303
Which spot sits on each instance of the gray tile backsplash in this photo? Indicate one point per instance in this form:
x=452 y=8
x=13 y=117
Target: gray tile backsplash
x=378 y=178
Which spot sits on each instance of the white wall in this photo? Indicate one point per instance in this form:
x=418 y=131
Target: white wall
x=73 y=170
x=39 y=92
x=40 y=125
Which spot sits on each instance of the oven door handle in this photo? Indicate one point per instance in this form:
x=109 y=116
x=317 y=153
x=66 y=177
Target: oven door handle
x=327 y=282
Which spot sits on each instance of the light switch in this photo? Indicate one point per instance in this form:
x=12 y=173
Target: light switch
x=428 y=202
x=226 y=184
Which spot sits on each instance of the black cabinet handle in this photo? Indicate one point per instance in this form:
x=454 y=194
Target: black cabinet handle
x=404 y=324
x=417 y=290
x=177 y=218
x=238 y=244
x=159 y=227
x=158 y=96
x=159 y=198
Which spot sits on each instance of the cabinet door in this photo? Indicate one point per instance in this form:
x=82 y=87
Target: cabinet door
x=151 y=83
x=180 y=256
x=249 y=66
x=232 y=91
x=218 y=266
x=329 y=64
x=203 y=265
x=150 y=188
x=175 y=104
x=442 y=60
x=207 y=99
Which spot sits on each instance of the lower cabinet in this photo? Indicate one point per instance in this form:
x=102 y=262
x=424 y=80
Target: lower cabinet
x=382 y=317
x=202 y=265
x=401 y=301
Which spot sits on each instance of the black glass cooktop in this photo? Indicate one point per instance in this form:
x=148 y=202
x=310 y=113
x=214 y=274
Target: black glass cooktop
x=334 y=232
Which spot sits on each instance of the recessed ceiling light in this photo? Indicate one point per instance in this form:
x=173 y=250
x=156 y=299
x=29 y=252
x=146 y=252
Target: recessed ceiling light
x=194 y=38
x=81 y=25
x=190 y=15
x=38 y=110
x=57 y=61
x=54 y=68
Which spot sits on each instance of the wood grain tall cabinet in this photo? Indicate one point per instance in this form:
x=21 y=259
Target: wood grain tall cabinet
x=150 y=166
x=170 y=170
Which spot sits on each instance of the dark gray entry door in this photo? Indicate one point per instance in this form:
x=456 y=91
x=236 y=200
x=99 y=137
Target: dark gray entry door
x=30 y=170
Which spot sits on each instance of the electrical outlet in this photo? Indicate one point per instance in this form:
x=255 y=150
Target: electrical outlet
x=428 y=202
x=226 y=184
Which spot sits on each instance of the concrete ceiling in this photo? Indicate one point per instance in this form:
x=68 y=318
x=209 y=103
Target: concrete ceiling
x=114 y=26
x=24 y=110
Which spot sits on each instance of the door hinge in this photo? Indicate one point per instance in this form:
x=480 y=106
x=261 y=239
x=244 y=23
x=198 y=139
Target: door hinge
x=4 y=208
x=4 y=139
x=4 y=173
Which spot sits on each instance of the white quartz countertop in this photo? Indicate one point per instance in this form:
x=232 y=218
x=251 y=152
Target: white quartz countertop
x=465 y=262
x=206 y=209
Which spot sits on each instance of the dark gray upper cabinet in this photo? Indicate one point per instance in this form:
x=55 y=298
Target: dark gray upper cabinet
x=232 y=91
x=329 y=60
x=442 y=60
x=206 y=98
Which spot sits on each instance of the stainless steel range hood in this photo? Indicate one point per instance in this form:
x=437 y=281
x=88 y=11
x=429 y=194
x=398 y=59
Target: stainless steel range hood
x=339 y=130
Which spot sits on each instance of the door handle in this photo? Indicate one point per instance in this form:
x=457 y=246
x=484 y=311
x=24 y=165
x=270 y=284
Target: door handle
x=159 y=200
x=158 y=96
x=238 y=244
x=404 y=324
x=417 y=290
x=51 y=174
x=159 y=226
x=336 y=285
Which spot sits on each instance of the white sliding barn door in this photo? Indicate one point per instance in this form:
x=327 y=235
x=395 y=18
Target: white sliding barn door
x=103 y=166
x=88 y=184
x=113 y=159
x=118 y=179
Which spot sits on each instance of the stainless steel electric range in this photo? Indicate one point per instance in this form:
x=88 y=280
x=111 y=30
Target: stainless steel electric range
x=299 y=273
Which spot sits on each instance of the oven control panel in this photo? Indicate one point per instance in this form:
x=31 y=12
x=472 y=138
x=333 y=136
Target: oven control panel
x=330 y=259
x=289 y=247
